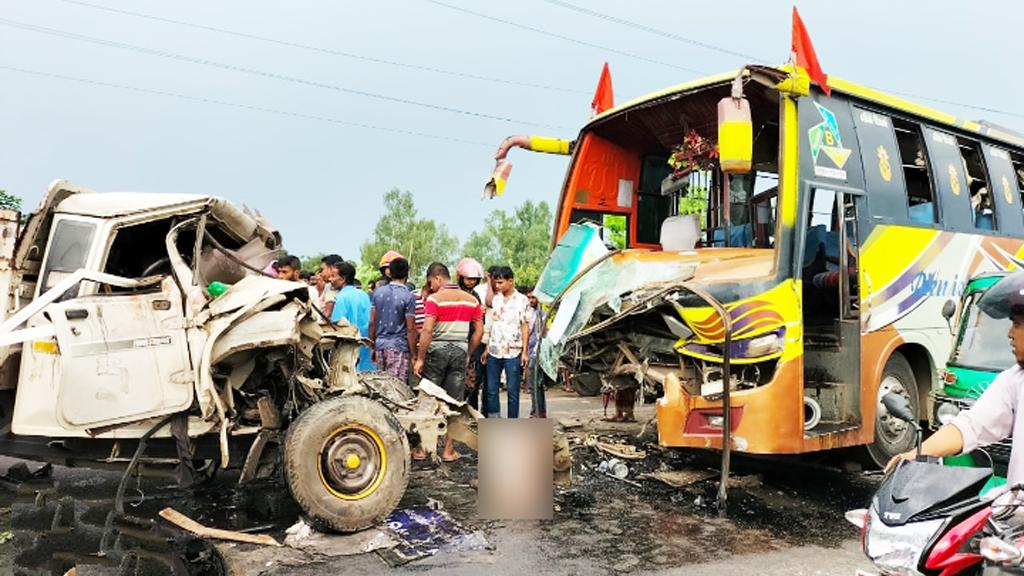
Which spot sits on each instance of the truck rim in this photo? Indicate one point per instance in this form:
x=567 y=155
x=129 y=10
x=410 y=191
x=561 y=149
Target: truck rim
x=352 y=461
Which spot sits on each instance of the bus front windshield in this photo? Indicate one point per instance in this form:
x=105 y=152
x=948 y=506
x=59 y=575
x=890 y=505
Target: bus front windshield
x=665 y=150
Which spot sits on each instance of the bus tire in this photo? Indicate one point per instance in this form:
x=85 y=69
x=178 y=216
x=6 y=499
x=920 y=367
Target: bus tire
x=893 y=436
x=346 y=463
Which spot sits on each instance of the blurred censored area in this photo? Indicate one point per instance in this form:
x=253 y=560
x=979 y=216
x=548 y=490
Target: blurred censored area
x=515 y=469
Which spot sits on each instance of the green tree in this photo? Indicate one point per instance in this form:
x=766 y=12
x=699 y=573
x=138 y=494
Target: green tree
x=520 y=240
x=311 y=264
x=9 y=201
x=420 y=240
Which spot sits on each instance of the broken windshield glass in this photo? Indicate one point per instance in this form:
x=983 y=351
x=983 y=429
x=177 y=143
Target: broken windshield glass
x=610 y=287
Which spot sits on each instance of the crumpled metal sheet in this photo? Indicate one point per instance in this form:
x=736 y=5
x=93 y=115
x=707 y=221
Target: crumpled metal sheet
x=614 y=285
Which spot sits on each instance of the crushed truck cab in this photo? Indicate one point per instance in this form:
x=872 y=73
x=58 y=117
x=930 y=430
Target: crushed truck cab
x=114 y=353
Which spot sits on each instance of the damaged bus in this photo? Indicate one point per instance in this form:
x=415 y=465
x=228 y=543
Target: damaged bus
x=830 y=228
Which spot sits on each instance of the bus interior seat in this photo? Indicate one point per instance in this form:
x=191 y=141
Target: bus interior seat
x=984 y=222
x=740 y=236
x=923 y=213
x=678 y=233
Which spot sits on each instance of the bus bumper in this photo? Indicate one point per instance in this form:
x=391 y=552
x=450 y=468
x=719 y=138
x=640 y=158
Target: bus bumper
x=764 y=420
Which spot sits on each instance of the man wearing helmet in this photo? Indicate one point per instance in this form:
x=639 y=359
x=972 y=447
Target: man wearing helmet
x=469 y=273
x=385 y=264
x=1000 y=410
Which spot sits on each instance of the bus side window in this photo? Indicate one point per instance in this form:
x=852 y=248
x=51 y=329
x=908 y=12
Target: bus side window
x=1017 y=160
x=977 y=183
x=914 y=158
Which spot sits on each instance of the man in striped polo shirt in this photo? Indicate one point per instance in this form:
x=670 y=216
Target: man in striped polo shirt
x=445 y=345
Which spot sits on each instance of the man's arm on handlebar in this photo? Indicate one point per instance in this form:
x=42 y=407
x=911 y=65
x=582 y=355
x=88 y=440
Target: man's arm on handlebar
x=946 y=441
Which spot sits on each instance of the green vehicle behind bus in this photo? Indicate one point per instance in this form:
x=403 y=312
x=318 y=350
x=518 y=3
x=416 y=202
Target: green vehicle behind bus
x=979 y=353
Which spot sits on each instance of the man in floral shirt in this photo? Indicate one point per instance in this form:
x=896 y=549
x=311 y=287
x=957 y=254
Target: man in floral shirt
x=507 y=349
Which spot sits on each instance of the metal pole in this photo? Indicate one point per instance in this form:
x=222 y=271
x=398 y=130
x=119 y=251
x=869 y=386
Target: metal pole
x=726 y=210
x=723 y=484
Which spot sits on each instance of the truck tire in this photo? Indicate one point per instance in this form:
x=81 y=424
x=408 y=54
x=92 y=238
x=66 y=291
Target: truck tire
x=346 y=463
x=893 y=436
x=587 y=383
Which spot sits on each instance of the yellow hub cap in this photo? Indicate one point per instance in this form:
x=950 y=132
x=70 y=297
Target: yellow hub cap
x=352 y=461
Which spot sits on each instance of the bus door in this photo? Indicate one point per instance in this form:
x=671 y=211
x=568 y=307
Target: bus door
x=831 y=309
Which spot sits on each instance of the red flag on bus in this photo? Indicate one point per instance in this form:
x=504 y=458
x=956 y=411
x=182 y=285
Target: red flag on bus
x=805 y=56
x=603 y=97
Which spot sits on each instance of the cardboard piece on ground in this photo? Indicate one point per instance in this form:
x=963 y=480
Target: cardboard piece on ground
x=680 y=478
x=626 y=451
x=186 y=523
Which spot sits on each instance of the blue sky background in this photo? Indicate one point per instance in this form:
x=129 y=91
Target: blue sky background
x=321 y=183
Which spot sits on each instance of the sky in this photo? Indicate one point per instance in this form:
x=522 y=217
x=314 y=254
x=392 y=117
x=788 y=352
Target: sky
x=271 y=124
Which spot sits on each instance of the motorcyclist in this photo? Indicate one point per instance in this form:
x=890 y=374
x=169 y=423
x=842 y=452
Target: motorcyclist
x=1000 y=410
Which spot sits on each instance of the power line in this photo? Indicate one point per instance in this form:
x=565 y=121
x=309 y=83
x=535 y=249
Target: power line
x=749 y=57
x=652 y=30
x=241 y=106
x=952 y=103
x=561 y=37
x=262 y=73
x=322 y=50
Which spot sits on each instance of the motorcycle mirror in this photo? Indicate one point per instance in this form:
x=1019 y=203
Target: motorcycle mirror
x=948 y=310
x=898 y=406
x=999 y=551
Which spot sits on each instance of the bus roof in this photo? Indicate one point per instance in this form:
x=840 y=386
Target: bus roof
x=857 y=90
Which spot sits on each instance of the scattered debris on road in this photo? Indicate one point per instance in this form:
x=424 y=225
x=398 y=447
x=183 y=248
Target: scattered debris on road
x=627 y=451
x=425 y=531
x=186 y=523
x=680 y=478
x=304 y=537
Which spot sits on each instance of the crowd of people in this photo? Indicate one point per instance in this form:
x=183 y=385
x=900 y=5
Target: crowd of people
x=472 y=334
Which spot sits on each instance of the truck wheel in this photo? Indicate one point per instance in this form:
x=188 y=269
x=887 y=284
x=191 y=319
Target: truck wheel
x=587 y=383
x=346 y=462
x=894 y=436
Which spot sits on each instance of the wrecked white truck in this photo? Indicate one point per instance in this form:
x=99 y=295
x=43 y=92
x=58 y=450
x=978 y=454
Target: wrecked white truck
x=113 y=352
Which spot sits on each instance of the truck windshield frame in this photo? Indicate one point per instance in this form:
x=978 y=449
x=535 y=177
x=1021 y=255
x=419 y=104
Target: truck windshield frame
x=980 y=340
x=69 y=249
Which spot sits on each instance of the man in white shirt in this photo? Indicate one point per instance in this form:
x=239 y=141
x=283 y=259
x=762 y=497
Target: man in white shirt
x=507 y=350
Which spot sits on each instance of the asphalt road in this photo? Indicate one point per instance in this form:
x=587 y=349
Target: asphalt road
x=784 y=518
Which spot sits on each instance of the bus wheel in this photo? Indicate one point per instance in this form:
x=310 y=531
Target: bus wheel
x=346 y=461
x=892 y=435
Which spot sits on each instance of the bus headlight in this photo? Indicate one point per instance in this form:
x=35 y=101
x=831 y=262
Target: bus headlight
x=764 y=345
x=945 y=412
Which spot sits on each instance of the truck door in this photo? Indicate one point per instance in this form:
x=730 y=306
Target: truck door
x=124 y=357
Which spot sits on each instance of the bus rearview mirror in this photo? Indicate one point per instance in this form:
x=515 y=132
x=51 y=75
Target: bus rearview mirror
x=735 y=135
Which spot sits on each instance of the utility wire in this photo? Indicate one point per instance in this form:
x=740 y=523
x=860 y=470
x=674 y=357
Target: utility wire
x=651 y=30
x=561 y=37
x=322 y=50
x=240 y=106
x=262 y=73
x=747 y=57
x=952 y=103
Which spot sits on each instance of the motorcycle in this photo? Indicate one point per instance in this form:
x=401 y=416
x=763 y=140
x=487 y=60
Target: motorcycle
x=925 y=519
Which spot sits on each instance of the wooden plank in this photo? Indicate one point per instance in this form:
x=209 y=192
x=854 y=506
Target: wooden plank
x=186 y=523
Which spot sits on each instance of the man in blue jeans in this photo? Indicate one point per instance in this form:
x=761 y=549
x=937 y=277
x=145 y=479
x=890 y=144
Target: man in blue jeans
x=507 y=349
